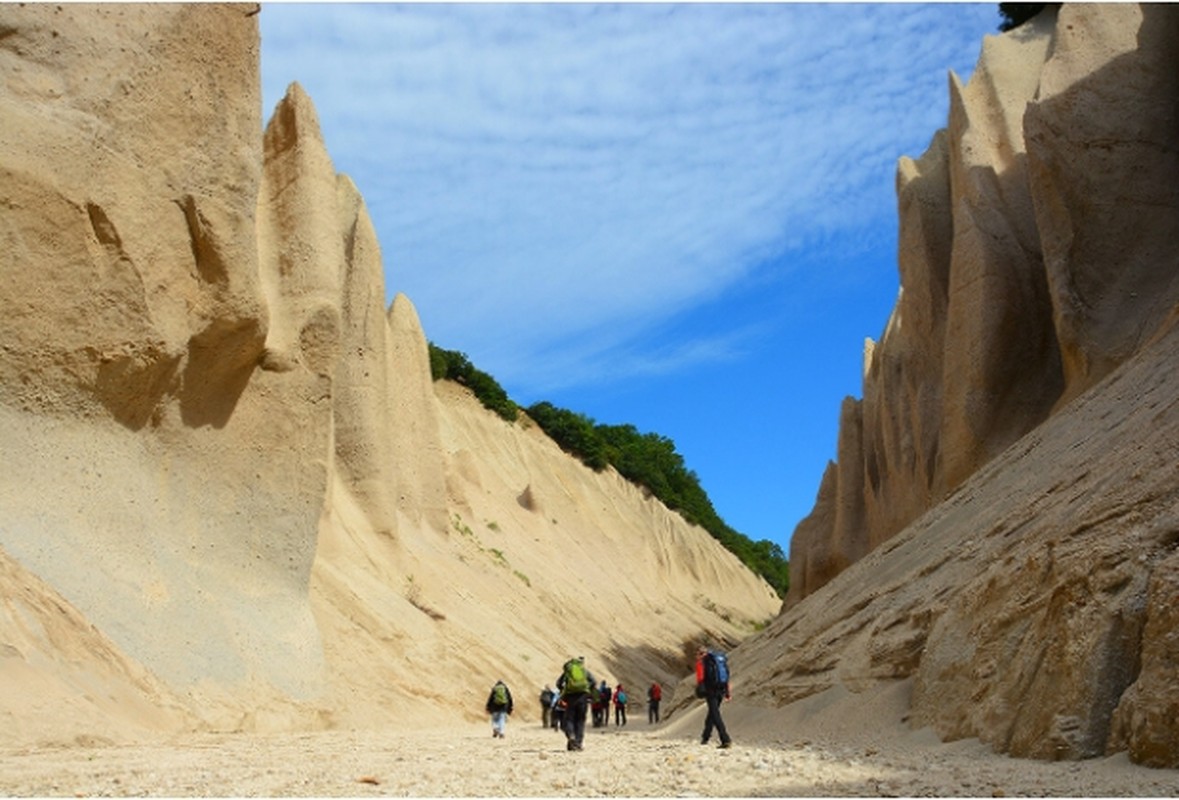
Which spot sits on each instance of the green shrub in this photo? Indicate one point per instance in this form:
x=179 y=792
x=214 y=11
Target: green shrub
x=455 y=366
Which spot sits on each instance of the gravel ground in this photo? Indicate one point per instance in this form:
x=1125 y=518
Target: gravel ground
x=634 y=761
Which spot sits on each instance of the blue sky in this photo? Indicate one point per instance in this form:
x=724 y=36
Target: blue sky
x=677 y=216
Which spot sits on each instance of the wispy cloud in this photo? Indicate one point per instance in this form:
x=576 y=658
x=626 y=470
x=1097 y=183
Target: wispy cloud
x=552 y=185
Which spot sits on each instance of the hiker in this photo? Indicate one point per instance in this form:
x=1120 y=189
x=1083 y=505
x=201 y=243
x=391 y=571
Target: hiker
x=499 y=706
x=558 y=712
x=603 y=704
x=575 y=686
x=654 y=695
x=546 y=705
x=712 y=683
x=620 y=699
x=558 y=721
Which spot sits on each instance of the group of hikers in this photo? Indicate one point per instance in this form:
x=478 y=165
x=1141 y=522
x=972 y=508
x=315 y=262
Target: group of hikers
x=601 y=699
x=578 y=694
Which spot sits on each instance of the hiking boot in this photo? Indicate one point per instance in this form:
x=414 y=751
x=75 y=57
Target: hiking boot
x=725 y=745
x=570 y=745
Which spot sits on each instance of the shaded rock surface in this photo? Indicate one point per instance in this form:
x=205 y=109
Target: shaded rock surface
x=1033 y=261
x=1001 y=520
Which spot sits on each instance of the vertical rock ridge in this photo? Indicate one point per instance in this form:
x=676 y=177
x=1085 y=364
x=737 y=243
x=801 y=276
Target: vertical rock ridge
x=417 y=445
x=301 y=251
x=362 y=400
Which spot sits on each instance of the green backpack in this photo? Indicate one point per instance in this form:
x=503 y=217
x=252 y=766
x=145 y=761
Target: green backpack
x=499 y=695
x=576 y=681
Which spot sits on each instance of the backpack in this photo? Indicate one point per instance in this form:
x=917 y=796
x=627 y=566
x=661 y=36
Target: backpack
x=720 y=666
x=656 y=692
x=499 y=695
x=620 y=698
x=576 y=681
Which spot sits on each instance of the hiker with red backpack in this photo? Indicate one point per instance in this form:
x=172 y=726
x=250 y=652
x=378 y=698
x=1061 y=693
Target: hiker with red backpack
x=654 y=695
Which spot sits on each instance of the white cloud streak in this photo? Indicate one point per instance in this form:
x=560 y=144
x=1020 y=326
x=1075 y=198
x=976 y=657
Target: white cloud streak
x=551 y=183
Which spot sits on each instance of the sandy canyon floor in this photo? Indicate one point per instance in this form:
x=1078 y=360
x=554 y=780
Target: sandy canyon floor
x=637 y=760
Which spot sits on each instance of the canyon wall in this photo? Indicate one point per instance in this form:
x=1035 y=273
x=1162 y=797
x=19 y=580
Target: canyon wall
x=1035 y=257
x=998 y=536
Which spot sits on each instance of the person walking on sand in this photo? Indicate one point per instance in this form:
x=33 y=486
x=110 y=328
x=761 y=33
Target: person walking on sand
x=499 y=706
x=712 y=683
x=558 y=722
x=620 y=699
x=654 y=695
x=546 y=705
x=575 y=685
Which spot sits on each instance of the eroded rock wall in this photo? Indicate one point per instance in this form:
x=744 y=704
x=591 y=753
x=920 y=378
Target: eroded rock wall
x=1020 y=419
x=140 y=438
x=1033 y=261
x=1033 y=608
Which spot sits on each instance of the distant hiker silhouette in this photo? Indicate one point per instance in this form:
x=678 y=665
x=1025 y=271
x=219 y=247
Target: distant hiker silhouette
x=547 y=696
x=499 y=706
x=654 y=696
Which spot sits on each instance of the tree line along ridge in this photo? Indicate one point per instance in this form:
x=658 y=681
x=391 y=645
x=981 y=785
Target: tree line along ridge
x=648 y=460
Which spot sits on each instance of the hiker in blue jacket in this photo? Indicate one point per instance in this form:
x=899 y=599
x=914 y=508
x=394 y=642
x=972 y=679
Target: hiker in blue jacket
x=499 y=706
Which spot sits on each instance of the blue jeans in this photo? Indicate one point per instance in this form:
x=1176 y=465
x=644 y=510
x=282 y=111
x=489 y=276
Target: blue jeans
x=498 y=720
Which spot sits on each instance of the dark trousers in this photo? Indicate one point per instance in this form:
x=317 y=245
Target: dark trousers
x=619 y=715
x=574 y=723
x=713 y=720
x=653 y=711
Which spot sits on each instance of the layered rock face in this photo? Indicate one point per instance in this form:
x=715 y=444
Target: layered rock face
x=1000 y=529
x=1034 y=257
x=228 y=477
